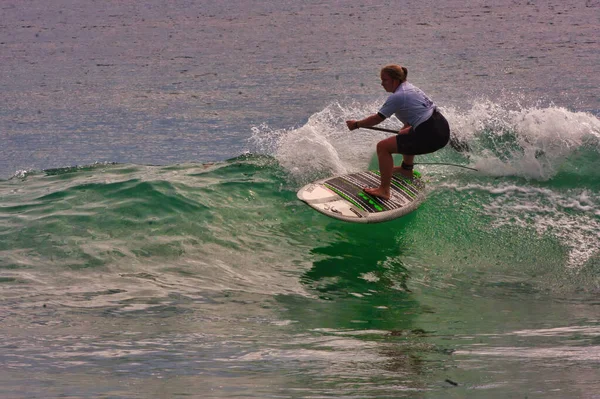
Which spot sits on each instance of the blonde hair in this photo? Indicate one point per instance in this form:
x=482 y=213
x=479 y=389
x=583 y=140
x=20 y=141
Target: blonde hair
x=396 y=72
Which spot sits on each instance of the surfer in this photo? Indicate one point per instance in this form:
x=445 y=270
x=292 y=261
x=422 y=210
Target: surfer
x=425 y=129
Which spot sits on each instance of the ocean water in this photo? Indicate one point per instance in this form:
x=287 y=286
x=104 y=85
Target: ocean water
x=151 y=241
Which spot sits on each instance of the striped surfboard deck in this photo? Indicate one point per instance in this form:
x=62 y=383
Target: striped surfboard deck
x=342 y=197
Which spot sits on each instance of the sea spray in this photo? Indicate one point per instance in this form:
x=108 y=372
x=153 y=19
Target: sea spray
x=504 y=140
x=527 y=142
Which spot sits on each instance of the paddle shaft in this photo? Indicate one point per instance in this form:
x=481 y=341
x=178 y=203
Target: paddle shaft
x=454 y=142
x=458 y=146
x=380 y=129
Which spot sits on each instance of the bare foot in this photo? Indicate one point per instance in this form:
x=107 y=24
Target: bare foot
x=378 y=192
x=406 y=173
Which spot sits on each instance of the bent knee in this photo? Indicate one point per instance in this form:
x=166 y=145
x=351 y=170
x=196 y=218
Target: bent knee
x=387 y=146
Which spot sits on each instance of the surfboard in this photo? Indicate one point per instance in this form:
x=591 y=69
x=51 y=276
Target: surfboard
x=342 y=197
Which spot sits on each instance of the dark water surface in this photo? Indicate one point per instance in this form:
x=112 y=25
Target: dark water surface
x=160 y=83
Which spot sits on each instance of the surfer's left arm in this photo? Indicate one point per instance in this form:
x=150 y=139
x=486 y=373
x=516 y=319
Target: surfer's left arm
x=369 y=121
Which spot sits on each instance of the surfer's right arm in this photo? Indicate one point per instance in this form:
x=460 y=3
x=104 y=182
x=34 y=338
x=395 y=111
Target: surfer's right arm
x=369 y=121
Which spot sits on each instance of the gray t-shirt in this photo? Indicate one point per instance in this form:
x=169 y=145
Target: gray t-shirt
x=409 y=104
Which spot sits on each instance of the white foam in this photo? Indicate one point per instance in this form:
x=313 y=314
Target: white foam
x=505 y=140
x=530 y=142
x=323 y=145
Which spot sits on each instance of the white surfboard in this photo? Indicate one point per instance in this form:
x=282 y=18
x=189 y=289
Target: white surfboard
x=342 y=197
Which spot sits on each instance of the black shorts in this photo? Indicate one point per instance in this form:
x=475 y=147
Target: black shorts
x=428 y=137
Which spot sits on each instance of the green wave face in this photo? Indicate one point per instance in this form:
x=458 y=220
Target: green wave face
x=182 y=256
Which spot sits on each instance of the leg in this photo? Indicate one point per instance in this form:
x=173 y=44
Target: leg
x=406 y=160
x=385 y=149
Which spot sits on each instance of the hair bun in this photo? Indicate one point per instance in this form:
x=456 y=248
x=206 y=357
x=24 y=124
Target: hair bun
x=396 y=72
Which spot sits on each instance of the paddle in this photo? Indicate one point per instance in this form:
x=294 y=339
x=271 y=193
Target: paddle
x=380 y=129
x=454 y=143
x=458 y=145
